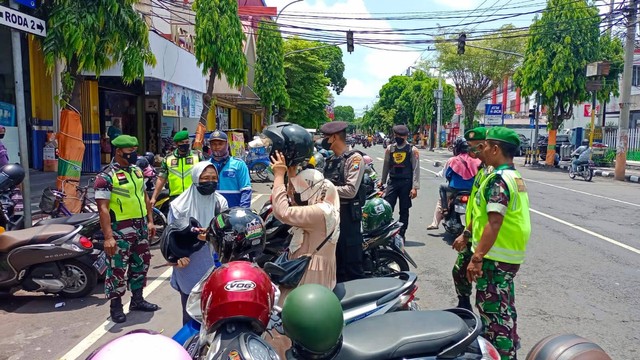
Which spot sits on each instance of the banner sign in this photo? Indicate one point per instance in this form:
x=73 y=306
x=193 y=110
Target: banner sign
x=180 y=102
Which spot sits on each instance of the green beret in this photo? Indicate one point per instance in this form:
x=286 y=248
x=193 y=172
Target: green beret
x=503 y=134
x=181 y=135
x=479 y=133
x=125 y=141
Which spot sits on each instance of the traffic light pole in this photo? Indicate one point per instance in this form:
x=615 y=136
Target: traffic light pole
x=534 y=146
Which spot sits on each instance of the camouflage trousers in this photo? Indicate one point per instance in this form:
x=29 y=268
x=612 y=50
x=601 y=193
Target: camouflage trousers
x=459 y=272
x=495 y=300
x=129 y=265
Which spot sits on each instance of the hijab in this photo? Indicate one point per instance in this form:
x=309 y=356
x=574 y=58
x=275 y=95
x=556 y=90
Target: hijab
x=193 y=204
x=465 y=166
x=317 y=191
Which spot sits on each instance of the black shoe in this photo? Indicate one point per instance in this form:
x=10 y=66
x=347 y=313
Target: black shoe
x=116 y=311
x=464 y=303
x=138 y=303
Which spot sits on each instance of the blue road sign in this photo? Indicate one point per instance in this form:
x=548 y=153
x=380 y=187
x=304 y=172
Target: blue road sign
x=493 y=109
x=27 y=3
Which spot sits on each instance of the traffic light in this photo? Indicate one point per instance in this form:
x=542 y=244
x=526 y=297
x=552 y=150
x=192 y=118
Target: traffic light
x=350 y=41
x=461 y=42
x=532 y=114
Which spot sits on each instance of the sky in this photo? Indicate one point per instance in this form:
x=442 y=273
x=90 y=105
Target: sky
x=367 y=69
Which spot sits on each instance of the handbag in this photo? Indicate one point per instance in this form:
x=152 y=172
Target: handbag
x=294 y=269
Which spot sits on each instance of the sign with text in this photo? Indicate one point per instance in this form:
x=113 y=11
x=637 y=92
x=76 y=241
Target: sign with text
x=180 y=102
x=23 y=22
x=587 y=110
x=493 y=114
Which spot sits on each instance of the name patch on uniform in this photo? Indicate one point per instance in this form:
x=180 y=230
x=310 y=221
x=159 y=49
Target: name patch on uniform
x=521 y=186
x=138 y=173
x=174 y=162
x=398 y=157
x=189 y=160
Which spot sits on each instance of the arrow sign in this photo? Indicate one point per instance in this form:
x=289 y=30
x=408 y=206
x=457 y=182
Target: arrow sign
x=23 y=22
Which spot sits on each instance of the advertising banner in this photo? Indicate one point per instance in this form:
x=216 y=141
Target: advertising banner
x=180 y=102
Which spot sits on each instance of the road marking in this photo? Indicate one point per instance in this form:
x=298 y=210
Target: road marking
x=94 y=336
x=380 y=159
x=431 y=171
x=584 y=193
x=601 y=237
x=257 y=196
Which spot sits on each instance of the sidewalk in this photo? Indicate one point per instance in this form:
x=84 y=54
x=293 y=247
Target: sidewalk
x=632 y=172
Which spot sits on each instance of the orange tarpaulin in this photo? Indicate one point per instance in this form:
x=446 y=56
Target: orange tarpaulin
x=199 y=140
x=71 y=152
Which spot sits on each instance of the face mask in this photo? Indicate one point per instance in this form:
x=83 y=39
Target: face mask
x=399 y=141
x=131 y=157
x=183 y=148
x=221 y=155
x=326 y=144
x=297 y=197
x=207 y=187
x=1 y=136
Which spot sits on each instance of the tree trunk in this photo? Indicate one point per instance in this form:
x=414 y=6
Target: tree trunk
x=551 y=148
x=208 y=96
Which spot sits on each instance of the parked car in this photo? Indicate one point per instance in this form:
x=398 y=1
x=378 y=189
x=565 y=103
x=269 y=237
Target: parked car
x=525 y=144
x=560 y=140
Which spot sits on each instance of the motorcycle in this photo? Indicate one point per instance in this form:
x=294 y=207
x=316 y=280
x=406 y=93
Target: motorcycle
x=583 y=170
x=49 y=259
x=453 y=220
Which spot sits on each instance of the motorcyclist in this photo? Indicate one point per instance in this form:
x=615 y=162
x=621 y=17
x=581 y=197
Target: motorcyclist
x=581 y=155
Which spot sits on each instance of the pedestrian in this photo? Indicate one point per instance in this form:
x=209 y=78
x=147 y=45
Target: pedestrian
x=234 y=183
x=345 y=169
x=126 y=220
x=402 y=166
x=176 y=168
x=476 y=140
x=500 y=231
x=113 y=132
x=201 y=202
x=4 y=153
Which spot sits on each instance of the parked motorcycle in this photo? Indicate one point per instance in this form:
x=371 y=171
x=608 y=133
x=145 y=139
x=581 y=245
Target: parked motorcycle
x=50 y=259
x=453 y=221
x=583 y=170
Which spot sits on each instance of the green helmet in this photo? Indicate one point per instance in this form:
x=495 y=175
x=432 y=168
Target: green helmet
x=376 y=214
x=312 y=318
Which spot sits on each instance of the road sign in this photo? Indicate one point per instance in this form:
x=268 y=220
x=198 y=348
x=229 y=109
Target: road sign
x=532 y=122
x=493 y=114
x=23 y=22
x=27 y=3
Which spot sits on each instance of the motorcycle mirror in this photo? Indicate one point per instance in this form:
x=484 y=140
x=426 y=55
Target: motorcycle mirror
x=274 y=269
x=437 y=164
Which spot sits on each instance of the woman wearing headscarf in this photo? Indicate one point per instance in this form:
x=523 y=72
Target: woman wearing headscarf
x=202 y=202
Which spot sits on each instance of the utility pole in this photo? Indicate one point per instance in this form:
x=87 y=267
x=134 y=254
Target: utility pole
x=625 y=98
x=21 y=120
x=534 y=146
x=438 y=96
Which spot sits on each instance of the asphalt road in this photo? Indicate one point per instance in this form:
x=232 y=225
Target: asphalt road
x=582 y=274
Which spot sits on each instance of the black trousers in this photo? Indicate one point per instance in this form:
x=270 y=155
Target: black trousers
x=349 y=247
x=400 y=189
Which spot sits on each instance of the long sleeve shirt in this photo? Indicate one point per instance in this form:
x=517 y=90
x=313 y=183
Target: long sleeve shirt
x=353 y=174
x=415 y=165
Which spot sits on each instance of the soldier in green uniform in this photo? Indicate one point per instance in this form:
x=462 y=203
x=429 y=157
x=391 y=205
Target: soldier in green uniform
x=500 y=232
x=476 y=140
x=176 y=168
x=126 y=220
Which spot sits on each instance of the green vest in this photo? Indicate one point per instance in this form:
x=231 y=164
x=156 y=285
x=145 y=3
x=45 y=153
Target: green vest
x=127 y=195
x=511 y=243
x=179 y=175
x=477 y=181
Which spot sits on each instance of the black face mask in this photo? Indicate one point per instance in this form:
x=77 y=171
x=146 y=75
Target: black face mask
x=1 y=136
x=326 y=144
x=207 y=187
x=131 y=157
x=183 y=148
x=399 y=141
x=297 y=197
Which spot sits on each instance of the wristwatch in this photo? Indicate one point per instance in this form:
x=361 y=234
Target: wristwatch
x=476 y=259
x=466 y=234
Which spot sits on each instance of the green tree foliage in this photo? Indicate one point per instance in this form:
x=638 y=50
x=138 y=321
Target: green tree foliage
x=92 y=36
x=219 y=45
x=344 y=113
x=611 y=50
x=309 y=72
x=270 y=83
x=477 y=72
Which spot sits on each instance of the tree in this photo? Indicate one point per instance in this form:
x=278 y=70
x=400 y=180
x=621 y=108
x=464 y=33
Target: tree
x=344 y=113
x=335 y=69
x=91 y=36
x=477 y=72
x=270 y=83
x=219 y=45
x=561 y=44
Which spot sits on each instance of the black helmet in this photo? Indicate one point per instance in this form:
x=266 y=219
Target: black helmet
x=178 y=240
x=150 y=158
x=237 y=232
x=460 y=146
x=142 y=162
x=292 y=140
x=11 y=175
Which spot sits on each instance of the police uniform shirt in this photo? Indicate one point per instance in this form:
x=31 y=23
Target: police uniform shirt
x=353 y=174
x=415 y=164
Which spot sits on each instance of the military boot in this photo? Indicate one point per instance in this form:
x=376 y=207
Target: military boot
x=464 y=303
x=117 y=313
x=138 y=303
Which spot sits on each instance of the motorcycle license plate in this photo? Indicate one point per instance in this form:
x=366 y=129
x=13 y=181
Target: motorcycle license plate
x=460 y=208
x=101 y=263
x=398 y=242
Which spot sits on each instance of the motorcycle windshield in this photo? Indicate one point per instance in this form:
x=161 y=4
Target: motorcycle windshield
x=193 y=301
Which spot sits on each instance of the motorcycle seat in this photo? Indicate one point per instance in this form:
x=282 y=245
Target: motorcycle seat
x=10 y=240
x=405 y=334
x=75 y=219
x=359 y=292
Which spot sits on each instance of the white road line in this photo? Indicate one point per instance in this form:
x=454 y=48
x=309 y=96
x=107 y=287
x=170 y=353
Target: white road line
x=380 y=159
x=257 y=196
x=594 y=234
x=94 y=336
x=431 y=171
x=584 y=193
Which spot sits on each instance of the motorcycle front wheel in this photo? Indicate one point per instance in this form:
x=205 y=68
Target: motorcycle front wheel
x=160 y=222
x=388 y=262
x=572 y=174
x=587 y=174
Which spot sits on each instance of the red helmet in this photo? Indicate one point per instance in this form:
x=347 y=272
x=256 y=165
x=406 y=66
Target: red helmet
x=238 y=290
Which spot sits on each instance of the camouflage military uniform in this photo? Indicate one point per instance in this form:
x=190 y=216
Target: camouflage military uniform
x=130 y=263
x=459 y=272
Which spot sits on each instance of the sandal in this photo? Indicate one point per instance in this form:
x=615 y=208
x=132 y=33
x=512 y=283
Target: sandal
x=432 y=227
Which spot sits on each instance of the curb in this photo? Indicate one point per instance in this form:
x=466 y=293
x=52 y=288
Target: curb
x=606 y=173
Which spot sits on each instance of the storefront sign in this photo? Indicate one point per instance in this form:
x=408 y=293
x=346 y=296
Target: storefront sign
x=7 y=114
x=222 y=117
x=23 y=22
x=180 y=102
x=237 y=145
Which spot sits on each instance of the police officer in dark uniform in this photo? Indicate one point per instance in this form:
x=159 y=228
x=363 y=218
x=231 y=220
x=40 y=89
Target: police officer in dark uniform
x=402 y=166
x=345 y=169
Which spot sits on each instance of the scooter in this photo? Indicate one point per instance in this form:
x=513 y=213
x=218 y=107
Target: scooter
x=453 y=220
x=49 y=259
